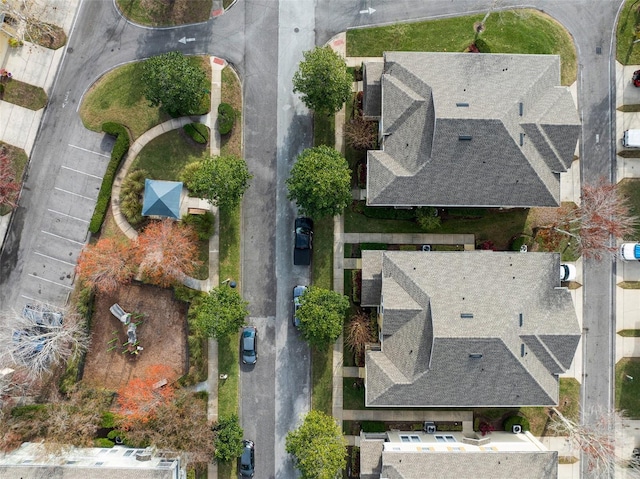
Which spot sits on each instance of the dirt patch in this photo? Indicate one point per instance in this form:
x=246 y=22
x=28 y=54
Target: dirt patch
x=162 y=334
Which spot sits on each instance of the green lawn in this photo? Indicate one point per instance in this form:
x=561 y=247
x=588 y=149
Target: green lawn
x=511 y=31
x=628 y=52
x=496 y=225
x=630 y=189
x=231 y=144
x=628 y=390
x=175 y=12
x=322 y=380
x=164 y=157
x=324 y=130
x=119 y=97
x=23 y=94
x=630 y=333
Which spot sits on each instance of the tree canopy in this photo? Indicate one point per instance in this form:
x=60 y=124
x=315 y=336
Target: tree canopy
x=173 y=82
x=167 y=251
x=228 y=439
x=321 y=315
x=322 y=80
x=220 y=313
x=320 y=182
x=318 y=447
x=107 y=264
x=222 y=180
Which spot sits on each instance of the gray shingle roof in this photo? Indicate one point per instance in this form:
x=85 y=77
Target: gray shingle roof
x=447 y=465
x=452 y=338
x=371 y=103
x=370 y=457
x=470 y=130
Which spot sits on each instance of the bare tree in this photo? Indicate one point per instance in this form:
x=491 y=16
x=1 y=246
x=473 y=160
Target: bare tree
x=361 y=134
x=596 y=439
x=41 y=337
x=603 y=213
x=358 y=334
x=27 y=18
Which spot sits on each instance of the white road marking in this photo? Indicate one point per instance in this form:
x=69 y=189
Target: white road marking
x=68 y=216
x=49 y=281
x=82 y=172
x=54 y=259
x=75 y=194
x=89 y=151
x=62 y=237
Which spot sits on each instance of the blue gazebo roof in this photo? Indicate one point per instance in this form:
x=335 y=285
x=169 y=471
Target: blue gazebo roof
x=162 y=198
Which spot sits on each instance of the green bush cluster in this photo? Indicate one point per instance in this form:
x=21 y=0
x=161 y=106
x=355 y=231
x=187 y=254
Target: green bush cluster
x=513 y=420
x=427 y=218
x=373 y=426
x=131 y=196
x=104 y=442
x=198 y=132
x=203 y=224
x=375 y=246
x=226 y=118
x=120 y=149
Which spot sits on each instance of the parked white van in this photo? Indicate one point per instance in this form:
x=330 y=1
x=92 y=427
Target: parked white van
x=631 y=139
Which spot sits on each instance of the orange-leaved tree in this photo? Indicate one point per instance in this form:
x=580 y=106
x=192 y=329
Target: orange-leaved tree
x=167 y=251
x=107 y=264
x=140 y=397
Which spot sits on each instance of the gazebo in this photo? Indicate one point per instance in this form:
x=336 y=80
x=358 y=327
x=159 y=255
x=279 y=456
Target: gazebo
x=162 y=198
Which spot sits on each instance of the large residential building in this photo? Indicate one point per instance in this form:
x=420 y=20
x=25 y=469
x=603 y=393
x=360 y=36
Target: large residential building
x=463 y=329
x=473 y=130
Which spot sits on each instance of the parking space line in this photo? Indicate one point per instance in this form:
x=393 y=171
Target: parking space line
x=81 y=172
x=62 y=237
x=75 y=194
x=68 y=216
x=89 y=151
x=29 y=298
x=54 y=259
x=49 y=281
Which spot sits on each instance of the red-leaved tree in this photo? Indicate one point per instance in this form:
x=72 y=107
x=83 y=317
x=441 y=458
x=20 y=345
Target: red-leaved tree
x=167 y=251
x=603 y=213
x=140 y=397
x=9 y=188
x=107 y=264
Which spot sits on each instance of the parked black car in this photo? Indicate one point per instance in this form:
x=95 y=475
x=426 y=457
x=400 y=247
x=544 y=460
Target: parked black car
x=247 y=460
x=303 y=241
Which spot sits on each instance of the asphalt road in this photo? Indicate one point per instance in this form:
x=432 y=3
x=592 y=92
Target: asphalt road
x=261 y=41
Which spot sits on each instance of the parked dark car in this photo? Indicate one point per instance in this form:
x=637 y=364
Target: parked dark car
x=635 y=79
x=249 y=345
x=297 y=292
x=247 y=460
x=303 y=241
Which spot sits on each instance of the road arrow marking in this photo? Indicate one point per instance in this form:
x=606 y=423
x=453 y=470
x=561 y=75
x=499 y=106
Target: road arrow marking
x=368 y=10
x=184 y=40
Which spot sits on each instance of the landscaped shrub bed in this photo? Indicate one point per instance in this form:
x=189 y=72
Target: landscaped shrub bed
x=513 y=420
x=198 y=132
x=120 y=149
x=356 y=282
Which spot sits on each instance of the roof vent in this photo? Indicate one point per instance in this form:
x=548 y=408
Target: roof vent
x=521 y=319
x=462 y=104
x=521 y=108
x=466 y=315
x=475 y=355
x=429 y=427
x=522 y=351
x=516 y=428
x=521 y=139
x=465 y=137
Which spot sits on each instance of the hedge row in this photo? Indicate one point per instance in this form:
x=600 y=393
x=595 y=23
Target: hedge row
x=120 y=149
x=198 y=132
